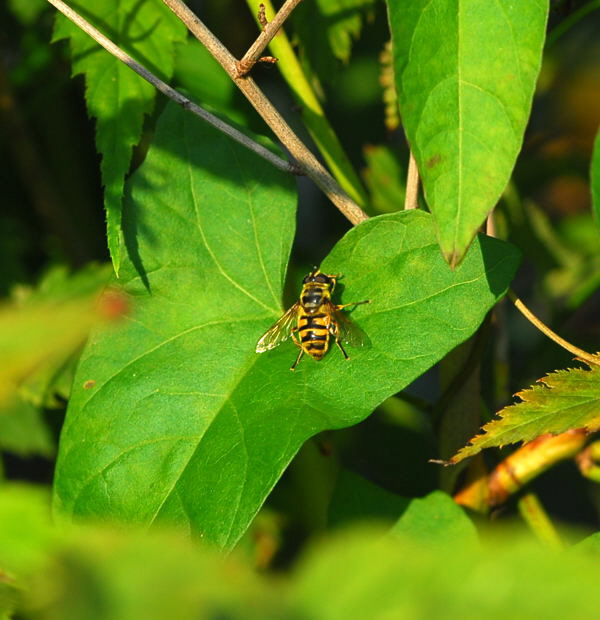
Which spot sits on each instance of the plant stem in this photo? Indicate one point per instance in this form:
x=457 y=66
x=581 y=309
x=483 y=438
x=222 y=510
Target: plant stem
x=312 y=112
x=526 y=312
x=411 y=200
x=537 y=519
x=264 y=38
x=164 y=88
x=587 y=461
x=570 y=21
x=305 y=159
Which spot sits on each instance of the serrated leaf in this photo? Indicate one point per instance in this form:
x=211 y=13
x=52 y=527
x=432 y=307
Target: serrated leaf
x=465 y=74
x=116 y=97
x=595 y=178
x=185 y=422
x=563 y=400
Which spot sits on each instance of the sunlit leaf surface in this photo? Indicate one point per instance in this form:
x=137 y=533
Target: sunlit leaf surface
x=465 y=74
x=184 y=421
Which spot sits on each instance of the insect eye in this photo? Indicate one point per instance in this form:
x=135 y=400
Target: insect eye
x=306 y=279
x=322 y=278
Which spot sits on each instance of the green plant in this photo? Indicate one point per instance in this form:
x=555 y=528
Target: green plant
x=173 y=420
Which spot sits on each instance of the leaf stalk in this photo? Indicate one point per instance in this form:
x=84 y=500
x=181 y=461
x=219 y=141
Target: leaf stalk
x=411 y=200
x=528 y=314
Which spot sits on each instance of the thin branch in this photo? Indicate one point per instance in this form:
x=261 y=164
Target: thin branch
x=490 y=225
x=311 y=111
x=305 y=159
x=537 y=519
x=526 y=312
x=164 y=88
x=411 y=200
x=571 y=20
x=264 y=38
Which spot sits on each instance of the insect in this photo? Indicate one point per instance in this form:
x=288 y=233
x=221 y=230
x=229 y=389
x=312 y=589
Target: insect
x=313 y=320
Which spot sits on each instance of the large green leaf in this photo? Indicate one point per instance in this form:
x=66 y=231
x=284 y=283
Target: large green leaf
x=563 y=400
x=117 y=97
x=185 y=421
x=595 y=178
x=356 y=575
x=465 y=74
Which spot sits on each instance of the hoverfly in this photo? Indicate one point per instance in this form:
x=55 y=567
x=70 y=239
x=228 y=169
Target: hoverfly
x=313 y=319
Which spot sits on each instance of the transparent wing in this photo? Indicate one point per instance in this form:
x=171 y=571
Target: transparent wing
x=348 y=332
x=279 y=332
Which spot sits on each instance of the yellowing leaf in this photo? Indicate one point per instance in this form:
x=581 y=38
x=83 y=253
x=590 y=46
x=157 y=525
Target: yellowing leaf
x=561 y=401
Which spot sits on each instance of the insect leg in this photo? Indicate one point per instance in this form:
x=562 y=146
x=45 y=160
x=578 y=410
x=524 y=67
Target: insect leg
x=354 y=303
x=333 y=330
x=294 y=332
x=339 y=344
x=300 y=354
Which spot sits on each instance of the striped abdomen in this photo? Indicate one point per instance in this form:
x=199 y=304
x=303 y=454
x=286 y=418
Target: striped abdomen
x=313 y=332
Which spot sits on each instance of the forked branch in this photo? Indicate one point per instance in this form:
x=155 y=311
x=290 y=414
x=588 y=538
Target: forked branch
x=308 y=163
x=270 y=29
x=170 y=92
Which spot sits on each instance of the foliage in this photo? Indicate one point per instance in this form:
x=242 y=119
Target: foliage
x=93 y=571
x=177 y=440
x=449 y=67
x=218 y=272
x=148 y=31
x=562 y=400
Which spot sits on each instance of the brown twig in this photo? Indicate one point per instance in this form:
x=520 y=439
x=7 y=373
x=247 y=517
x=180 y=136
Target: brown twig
x=270 y=29
x=305 y=159
x=170 y=92
x=526 y=312
x=411 y=200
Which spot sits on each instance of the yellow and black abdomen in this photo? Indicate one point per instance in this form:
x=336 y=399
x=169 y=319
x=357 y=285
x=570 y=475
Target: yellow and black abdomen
x=313 y=333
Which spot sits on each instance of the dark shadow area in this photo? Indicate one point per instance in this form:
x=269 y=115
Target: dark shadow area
x=500 y=260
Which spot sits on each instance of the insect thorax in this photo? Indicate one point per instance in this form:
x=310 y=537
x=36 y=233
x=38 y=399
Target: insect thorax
x=313 y=297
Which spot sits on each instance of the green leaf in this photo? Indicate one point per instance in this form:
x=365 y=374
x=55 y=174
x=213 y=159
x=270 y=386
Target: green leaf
x=23 y=430
x=590 y=545
x=27 y=11
x=434 y=520
x=25 y=530
x=356 y=497
x=40 y=329
x=563 y=400
x=595 y=176
x=95 y=572
x=360 y=575
x=465 y=74
x=116 y=97
x=185 y=421
x=327 y=31
x=384 y=176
